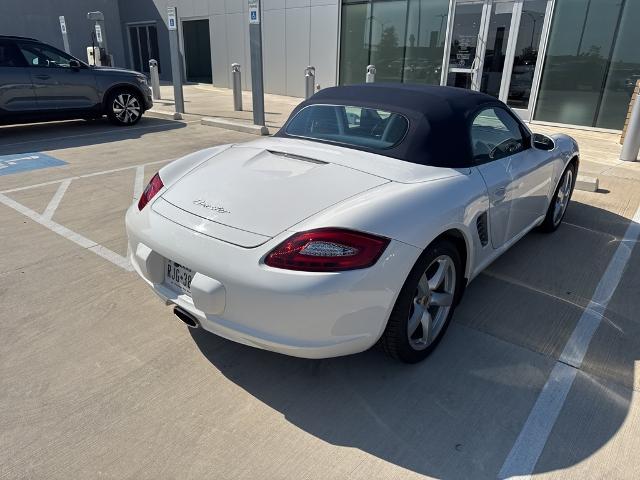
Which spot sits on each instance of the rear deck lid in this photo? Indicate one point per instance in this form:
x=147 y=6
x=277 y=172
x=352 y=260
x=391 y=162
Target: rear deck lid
x=260 y=192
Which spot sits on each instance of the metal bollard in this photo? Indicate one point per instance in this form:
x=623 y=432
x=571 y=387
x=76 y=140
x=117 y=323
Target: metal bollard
x=309 y=81
x=155 y=79
x=237 y=87
x=631 y=146
x=371 y=74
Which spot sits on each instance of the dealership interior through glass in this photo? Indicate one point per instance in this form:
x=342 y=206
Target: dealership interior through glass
x=562 y=61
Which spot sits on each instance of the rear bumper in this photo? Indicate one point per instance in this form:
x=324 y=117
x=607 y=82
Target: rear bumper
x=236 y=296
x=236 y=332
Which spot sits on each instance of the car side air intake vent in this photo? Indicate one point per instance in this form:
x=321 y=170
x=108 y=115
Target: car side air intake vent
x=483 y=233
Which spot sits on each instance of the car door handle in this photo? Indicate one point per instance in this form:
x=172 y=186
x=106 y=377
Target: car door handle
x=43 y=77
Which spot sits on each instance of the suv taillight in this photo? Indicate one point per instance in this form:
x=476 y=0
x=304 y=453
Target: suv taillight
x=327 y=250
x=154 y=186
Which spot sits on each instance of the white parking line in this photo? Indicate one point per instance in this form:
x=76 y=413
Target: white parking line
x=76 y=238
x=44 y=219
x=86 y=175
x=592 y=230
x=137 y=192
x=55 y=200
x=533 y=437
x=137 y=183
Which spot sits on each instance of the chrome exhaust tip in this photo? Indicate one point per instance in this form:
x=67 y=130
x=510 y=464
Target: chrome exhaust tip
x=188 y=319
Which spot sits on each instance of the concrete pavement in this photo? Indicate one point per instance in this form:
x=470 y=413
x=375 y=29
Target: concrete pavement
x=99 y=380
x=202 y=100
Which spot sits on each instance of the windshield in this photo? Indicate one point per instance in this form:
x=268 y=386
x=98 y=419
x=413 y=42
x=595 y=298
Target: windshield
x=357 y=126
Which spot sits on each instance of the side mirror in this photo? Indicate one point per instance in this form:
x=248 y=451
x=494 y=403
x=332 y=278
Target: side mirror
x=542 y=142
x=74 y=64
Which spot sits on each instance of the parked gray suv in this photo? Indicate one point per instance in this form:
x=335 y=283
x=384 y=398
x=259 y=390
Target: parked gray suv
x=38 y=82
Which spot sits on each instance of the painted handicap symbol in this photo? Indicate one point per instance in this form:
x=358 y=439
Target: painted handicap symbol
x=27 y=161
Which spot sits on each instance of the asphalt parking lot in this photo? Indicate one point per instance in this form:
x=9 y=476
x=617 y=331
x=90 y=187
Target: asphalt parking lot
x=99 y=379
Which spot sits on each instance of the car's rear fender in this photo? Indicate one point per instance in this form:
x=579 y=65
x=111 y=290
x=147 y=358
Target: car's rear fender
x=415 y=214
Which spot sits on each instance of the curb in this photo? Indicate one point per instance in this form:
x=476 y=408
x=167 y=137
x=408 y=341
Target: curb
x=587 y=184
x=167 y=115
x=234 y=125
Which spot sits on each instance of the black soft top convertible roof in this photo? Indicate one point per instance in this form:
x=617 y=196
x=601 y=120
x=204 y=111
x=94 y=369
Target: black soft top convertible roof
x=439 y=118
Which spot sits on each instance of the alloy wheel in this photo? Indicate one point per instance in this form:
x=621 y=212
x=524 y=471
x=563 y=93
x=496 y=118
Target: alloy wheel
x=432 y=302
x=126 y=108
x=562 y=198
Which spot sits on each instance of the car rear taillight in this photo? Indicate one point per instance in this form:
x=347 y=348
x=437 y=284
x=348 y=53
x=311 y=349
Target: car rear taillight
x=154 y=186
x=327 y=250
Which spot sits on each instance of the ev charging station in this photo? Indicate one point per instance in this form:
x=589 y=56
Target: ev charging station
x=98 y=55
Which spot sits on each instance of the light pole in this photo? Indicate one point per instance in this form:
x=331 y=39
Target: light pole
x=534 y=20
x=371 y=29
x=442 y=17
x=584 y=26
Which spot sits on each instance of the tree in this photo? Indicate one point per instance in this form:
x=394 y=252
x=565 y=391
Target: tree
x=388 y=43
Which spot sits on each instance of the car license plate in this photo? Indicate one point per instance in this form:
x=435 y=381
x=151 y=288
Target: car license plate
x=178 y=277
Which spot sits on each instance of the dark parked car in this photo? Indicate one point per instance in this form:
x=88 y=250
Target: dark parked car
x=38 y=82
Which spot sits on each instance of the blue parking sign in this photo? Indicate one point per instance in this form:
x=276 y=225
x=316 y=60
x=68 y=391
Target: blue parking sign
x=254 y=11
x=24 y=162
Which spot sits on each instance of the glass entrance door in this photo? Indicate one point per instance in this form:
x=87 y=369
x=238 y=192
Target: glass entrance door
x=522 y=73
x=498 y=35
x=466 y=44
x=495 y=46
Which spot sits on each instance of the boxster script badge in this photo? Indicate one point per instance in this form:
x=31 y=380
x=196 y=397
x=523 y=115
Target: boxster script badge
x=214 y=208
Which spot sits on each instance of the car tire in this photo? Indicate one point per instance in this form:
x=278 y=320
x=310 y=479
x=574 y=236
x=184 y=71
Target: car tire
x=560 y=201
x=436 y=281
x=124 y=107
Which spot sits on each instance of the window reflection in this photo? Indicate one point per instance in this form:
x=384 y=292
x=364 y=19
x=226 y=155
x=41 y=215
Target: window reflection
x=584 y=54
x=624 y=70
x=388 y=27
x=354 y=43
x=526 y=53
x=592 y=60
x=404 y=39
x=424 y=47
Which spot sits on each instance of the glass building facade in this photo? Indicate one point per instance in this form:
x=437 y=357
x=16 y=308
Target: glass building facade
x=585 y=76
x=404 y=39
x=592 y=63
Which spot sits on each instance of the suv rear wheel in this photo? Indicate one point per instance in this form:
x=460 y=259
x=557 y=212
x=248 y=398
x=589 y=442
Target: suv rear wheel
x=124 y=107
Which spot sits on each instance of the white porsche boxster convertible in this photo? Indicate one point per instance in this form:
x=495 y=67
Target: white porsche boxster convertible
x=360 y=222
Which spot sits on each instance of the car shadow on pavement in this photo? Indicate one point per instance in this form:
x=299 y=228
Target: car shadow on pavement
x=457 y=414
x=25 y=138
